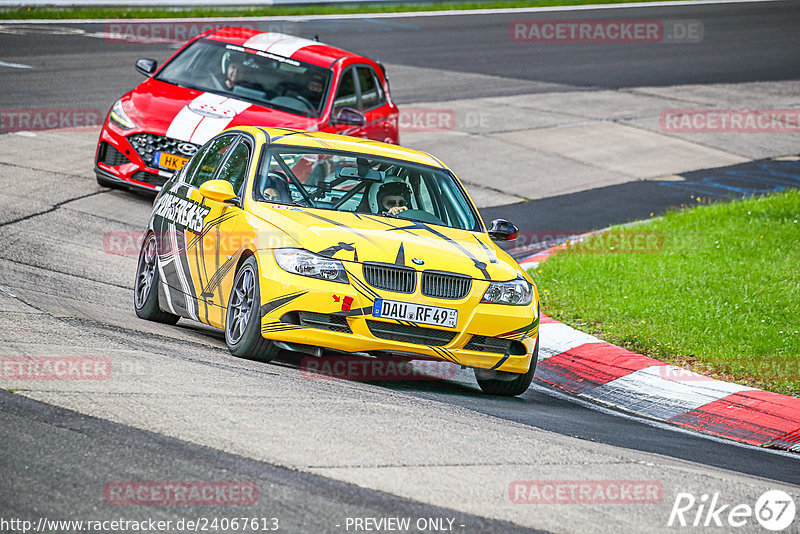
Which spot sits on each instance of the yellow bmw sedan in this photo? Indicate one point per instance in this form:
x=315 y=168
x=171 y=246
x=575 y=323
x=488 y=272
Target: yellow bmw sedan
x=289 y=239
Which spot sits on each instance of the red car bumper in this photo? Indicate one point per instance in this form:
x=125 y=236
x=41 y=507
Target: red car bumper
x=128 y=158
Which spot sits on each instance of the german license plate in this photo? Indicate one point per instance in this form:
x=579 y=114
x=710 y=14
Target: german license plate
x=416 y=313
x=169 y=161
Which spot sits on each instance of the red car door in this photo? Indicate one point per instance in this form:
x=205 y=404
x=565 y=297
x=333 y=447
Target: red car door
x=362 y=89
x=346 y=96
x=381 y=121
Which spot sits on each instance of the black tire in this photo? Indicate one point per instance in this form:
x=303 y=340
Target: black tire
x=145 y=288
x=514 y=387
x=243 y=317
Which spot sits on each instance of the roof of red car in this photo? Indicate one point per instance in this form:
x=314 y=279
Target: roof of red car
x=281 y=44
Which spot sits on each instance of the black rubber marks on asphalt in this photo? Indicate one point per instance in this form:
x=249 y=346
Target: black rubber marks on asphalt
x=581 y=212
x=57 y=463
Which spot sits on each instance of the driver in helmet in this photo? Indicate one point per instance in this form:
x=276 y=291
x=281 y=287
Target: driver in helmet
x=234 y=74
x=394 y=197
x=312 y=91
x=237 y=74
x=276 y=189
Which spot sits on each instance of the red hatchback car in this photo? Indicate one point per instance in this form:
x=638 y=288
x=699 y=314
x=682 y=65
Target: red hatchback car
x=236 y=76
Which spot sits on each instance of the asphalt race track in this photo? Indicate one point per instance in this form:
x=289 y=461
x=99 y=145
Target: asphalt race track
x=179 y=407
x=743 y=42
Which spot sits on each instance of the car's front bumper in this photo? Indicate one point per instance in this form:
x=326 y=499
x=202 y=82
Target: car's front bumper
x=117 y=161
x=307 y=311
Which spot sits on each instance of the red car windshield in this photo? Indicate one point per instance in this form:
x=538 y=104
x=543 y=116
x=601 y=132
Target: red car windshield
x=259 y=77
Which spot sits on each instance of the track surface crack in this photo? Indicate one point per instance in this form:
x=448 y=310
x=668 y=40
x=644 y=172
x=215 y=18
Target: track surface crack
x=51 y=209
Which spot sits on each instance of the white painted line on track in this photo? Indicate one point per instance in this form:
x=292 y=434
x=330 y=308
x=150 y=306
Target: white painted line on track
x=14 y=65
x=616 y=412
x=559 y=338
x=647 y=392
x=408 y=14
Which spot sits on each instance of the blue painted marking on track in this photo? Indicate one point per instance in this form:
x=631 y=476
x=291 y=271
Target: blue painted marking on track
x=747 y=180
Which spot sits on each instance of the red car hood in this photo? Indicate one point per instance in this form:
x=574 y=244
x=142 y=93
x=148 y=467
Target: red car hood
x=196 y=116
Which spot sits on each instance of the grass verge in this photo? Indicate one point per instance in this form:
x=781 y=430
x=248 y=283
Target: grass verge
x=715 y=289
x=125 y=13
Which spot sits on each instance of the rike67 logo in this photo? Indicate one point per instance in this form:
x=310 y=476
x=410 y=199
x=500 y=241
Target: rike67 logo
x=774 y=511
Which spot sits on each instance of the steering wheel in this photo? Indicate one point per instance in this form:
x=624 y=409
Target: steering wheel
x=285 y=87
x=219 y=84
x=294 y=90
x=419 y=215
x=303 y=100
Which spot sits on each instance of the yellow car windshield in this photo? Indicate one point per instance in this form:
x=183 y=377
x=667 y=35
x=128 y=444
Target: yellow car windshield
x=344 y=181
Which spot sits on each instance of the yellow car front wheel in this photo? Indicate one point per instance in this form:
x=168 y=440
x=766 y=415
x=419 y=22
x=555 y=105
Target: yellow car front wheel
x=508 y=384
x=145 y=294
x=243 y=317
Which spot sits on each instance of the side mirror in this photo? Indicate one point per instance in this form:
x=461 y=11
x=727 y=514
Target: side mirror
x=348 y=117
x=502 y=230
x=219 y=190
x=146 y=66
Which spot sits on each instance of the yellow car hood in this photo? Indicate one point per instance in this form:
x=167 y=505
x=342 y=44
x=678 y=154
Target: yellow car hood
x=368 y=238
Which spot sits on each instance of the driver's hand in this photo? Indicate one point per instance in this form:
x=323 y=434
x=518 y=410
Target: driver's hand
x=394 y=210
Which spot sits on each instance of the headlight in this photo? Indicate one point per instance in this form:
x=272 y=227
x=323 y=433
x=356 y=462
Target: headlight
x=517 y=292
x=119 y=117
x=305 y=263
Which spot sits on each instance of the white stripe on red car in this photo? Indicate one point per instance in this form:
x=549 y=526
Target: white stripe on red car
x=278 y=43
x=204 y=117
